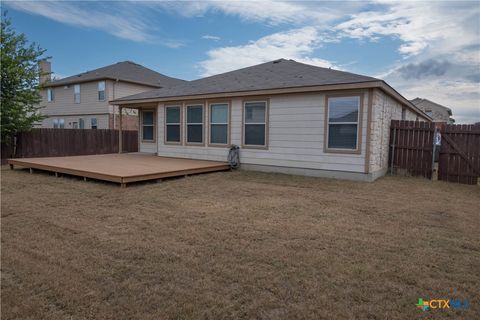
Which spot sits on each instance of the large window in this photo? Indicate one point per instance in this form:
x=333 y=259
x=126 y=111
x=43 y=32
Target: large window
x=343 y=122
x=219 y=123
x=50 y=94
x=195 y=124
x=93 y=123
x=76 y=93
x=148 y=126
x=58 y=123
x=101 y=90
x=81 y=123
x=172 y=123
x=255 y=124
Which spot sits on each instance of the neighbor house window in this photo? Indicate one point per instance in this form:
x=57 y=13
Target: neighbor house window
x=343 y=122
x=429 y=113
x=101 y=90
x=58 y=123
x=50 y=94
x=404 y=114
x=148 y=126
x=93 y=123
x=255 y=123
x=75 y=125
x=219 y=123
x=172 y=123
x=81 y=123
x=195 y=123
x=76 y=93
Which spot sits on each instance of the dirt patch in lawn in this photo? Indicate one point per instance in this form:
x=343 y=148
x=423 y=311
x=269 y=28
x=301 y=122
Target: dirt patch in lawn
x=237 y=245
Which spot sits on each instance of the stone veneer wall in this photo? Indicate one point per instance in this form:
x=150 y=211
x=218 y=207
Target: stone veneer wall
x=385 y=109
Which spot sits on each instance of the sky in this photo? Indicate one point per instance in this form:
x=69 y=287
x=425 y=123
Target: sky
x=423 y=49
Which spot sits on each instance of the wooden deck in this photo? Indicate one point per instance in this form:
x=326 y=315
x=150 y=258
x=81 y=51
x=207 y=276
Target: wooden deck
x=120 y=168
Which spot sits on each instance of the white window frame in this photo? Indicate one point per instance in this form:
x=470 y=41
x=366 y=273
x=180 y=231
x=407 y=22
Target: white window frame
x=50 y=94
x=104 y=90
x=358 y=123
x=148 y=125
x=265 y=123
x=179 y=124
x=75 y=93
x=210 y=123
x=195 y=124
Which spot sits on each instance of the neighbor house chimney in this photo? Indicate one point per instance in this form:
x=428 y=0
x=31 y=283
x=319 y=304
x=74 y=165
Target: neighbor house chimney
x=45 y=71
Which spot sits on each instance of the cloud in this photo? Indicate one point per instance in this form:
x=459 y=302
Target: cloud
x=424 y=69
x=210 y=37
x=295 y=44
x=120 y=21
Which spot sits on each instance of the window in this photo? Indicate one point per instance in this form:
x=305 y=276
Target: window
x=172 y=130
x=93 y=123
x=81 y=123
x=404 y=114
x=148 y=126
x=429 y=113
x=58 y=123
x=101 y=90
x=50 y=94
x=255 y=125
x=76 y=93
x=219 y=123
x=75 y=125
x=195 y=123
x=343 y=120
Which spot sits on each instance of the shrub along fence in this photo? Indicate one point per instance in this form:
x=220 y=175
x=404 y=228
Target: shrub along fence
x=69 y=142
x=413 y=145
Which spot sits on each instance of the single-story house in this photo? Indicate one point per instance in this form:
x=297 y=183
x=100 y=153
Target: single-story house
x=286 y=117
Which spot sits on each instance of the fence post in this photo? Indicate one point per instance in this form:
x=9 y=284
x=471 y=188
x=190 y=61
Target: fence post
x=393 y=150
x=434 y=149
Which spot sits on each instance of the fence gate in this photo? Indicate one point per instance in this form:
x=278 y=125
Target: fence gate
x=459 y=159
x=411 y=148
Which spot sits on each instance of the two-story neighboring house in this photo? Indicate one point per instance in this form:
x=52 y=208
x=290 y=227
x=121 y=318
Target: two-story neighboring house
x=81 y=101
x=436 y=111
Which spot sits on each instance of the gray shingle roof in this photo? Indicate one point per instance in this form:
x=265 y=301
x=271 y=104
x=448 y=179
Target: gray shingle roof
x=125 y=71
x=276 y=74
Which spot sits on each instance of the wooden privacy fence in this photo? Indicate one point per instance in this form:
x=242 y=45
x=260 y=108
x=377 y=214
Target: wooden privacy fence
x=69 y=142
x=459 y=159
x=412 y=150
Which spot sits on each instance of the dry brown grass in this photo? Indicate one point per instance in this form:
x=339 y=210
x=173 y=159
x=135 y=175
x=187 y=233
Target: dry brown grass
x=237 y=245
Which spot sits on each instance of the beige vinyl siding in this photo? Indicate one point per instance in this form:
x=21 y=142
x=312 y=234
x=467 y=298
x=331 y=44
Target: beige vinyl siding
x=64 y=104
x=64 y=107
x=296 y=133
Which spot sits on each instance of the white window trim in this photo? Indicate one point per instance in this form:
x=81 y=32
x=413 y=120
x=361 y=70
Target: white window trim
x=179 y=124
x=75 y=94
x=50 y=95
x=210 y=123
x=244 y=124
x=148 y=125
x=358 y=123
x=104 y=90
x=195 y=123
